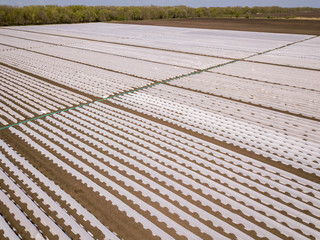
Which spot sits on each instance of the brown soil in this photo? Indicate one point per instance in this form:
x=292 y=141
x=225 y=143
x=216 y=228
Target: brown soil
x=103 y=209
x=296 y=26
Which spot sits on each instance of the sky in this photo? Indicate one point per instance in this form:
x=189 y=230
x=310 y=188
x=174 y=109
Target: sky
x=190 y=3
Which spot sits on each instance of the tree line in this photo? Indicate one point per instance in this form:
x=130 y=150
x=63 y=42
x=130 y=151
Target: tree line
x=52 y=14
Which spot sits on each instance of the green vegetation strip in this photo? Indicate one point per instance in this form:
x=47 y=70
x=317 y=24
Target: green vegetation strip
x=120 y=94
x=51 y=14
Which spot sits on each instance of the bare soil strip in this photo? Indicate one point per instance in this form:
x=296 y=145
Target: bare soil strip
x=293 y=26
x=10 y=218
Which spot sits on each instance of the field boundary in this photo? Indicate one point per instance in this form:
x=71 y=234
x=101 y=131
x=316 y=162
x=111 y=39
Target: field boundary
x=156 y=83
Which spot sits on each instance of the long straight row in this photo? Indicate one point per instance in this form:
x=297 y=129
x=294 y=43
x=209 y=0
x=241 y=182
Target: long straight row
x=23 y=97
x=157 y=168
x=38 y=191
x=88 y=80
x=279 y=147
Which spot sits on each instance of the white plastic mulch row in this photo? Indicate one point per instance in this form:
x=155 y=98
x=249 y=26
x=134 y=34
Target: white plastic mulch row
x=102 y=192
x=20 y=43
x=147 y=54
x=173 y=139
x=97 y=136
x=12 y=113
x=281 y=122
x=46 y=95
x=152 y=184
x=81 y=212
x=234 y=44
x=305 y=54
x=145 y=192
x=31 y=96
x=288 y=76
x=179 y=159
x=279 y=147
x=137 y=68
x=7 y=231
x=167 y=57
x=38 y=37
x=89 y=80
x=299 y=127
x=53 y=206
x=294 y=100
x=44 y=87
x=160 y=143
x=45 y=220
x=6 y=48
x=24 y=96
x=7 y=115
x=16 y=101
x=19 y=215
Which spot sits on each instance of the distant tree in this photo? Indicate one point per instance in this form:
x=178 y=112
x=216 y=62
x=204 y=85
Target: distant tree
x=104 y=15
x=89 y=15
x=134 y=13
x=199 y=12
x=52 y=14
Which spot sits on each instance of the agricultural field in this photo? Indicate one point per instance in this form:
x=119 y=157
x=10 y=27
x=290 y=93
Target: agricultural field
x=115 y=131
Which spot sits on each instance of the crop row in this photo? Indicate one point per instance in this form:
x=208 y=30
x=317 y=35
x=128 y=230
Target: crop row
x=134 y=67
x=93 y=142
x=230 y=44
x=28 y=37
x=147 y=54
x=22 y=96
x=284 y=98
x=48 y=199
x=298 y=55
x=299 y=127
x=83 y=78
x=278 y=146
x=282 y=76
